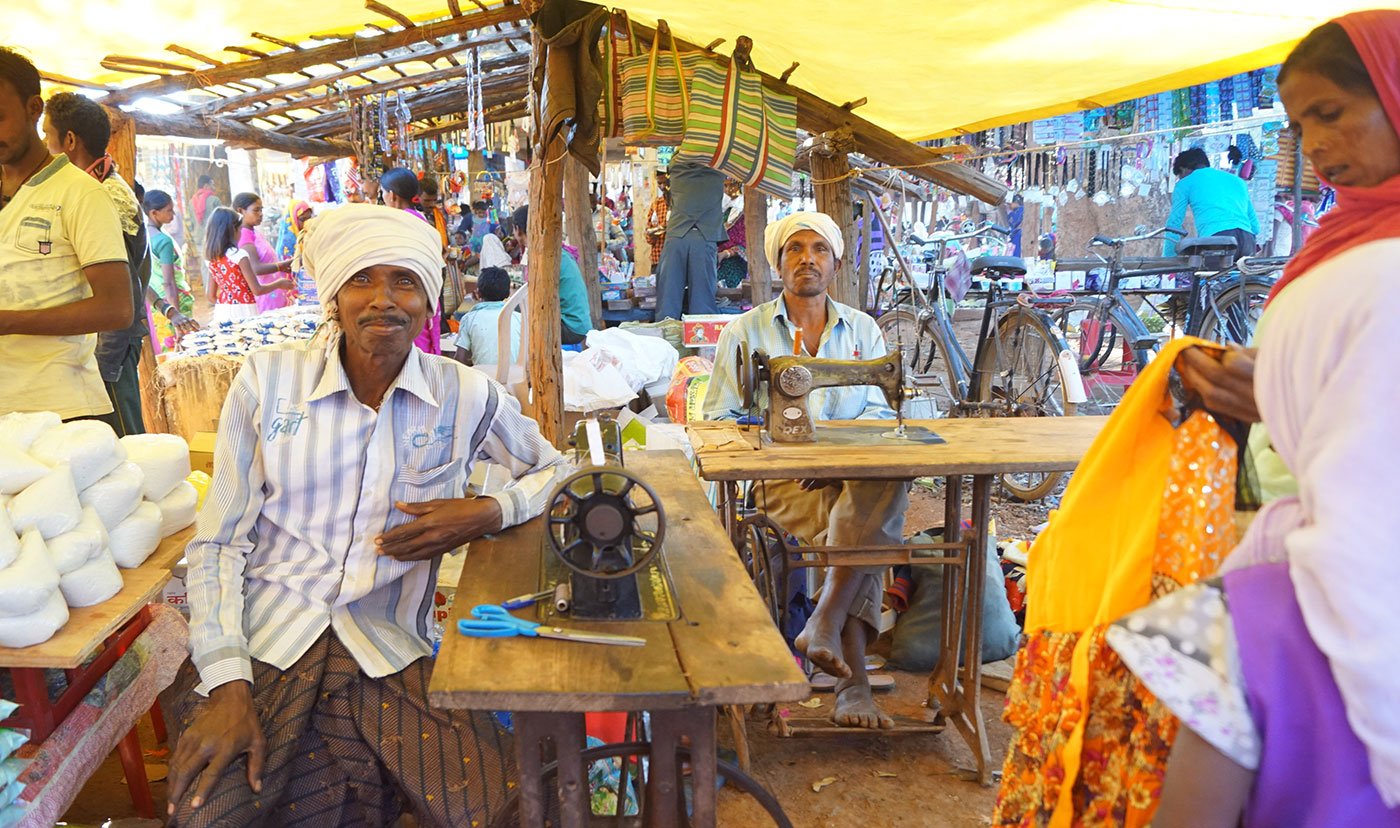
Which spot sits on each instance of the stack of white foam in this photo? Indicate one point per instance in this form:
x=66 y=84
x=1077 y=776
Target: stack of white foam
x=77 y=504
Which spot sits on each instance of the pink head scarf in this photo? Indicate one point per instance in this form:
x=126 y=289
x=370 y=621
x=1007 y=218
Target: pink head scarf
x=1362 y=214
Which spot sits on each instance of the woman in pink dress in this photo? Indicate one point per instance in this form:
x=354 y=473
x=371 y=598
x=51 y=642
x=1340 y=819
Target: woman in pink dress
x=401 y=190
x=264 y=258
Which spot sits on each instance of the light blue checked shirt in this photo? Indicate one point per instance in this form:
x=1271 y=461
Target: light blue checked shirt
x=305 y=477
x=849 y=334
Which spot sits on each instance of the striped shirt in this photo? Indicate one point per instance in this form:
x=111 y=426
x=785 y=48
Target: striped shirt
x=306 y=476
x=849 y=334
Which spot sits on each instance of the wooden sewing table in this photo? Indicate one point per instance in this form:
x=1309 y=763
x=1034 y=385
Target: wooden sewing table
x=982 y=449
x=722 y=651
x=110 y=627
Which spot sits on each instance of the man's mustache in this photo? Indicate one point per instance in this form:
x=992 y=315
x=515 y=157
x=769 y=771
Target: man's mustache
x=383 y=318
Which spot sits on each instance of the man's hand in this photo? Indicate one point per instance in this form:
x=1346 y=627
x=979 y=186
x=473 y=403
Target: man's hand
x=442 y=525
x=182 y=324
x=1225 y=382
x=225 y=729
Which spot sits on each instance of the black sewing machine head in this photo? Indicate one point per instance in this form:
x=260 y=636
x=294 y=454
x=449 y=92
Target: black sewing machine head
x=790 y=379
x=606 y=527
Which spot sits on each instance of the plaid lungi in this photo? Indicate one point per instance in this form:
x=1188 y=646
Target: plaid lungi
x=344 y=749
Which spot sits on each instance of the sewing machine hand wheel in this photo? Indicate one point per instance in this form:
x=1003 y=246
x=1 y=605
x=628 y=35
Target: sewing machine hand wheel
x=751 y=370
x=600 y=504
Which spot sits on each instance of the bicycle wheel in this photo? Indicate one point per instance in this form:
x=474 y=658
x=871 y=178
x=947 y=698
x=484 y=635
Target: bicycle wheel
x=1239 y=308
x=1020 y=369
x=1107 y=362
x=925 y=365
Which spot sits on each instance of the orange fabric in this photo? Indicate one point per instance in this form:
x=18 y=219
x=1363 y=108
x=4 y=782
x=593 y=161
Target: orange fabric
x=1151 y=508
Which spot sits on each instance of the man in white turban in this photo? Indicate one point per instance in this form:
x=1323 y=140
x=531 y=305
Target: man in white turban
x=340 y=479
x=805 y=249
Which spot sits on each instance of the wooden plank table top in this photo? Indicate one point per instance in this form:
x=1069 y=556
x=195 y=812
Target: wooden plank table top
x=88 y=627
x=727 y=451
x=724 y=648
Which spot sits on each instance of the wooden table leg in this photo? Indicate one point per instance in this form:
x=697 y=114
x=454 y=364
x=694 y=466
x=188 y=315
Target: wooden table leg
x=565 y=732
x=134 y=767
x=158 y=723
x=32 y=694
x=739 y=725
x=665 y=792
x=729 y=510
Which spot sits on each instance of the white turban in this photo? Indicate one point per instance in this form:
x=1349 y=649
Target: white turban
x=779 y=232
x=341 y=242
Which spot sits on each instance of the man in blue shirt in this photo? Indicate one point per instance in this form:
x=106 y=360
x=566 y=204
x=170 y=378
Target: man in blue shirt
x=688 y=273
x=576 y=320
x=805 y=249
x=1219 y=203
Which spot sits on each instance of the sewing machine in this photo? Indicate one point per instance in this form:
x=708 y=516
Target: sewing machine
x=605 y=532
x=791 y=378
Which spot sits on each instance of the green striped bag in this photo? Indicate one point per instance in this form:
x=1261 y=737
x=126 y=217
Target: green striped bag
x=619 y=42
x=741 y=129
x=655 y=94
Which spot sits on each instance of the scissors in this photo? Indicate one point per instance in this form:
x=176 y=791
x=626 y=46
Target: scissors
x=493 y=621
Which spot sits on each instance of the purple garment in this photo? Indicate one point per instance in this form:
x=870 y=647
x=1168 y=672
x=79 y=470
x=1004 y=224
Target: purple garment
x=1313 y=771
x=277 y=298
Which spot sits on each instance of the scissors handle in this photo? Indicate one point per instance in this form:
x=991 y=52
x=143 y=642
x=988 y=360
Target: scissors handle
x=488 y=629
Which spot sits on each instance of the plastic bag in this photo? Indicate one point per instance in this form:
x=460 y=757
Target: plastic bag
x=592 y=383
x=117 y=495
x=92 y=583
x=74 y=548
x=164 y=458
x=18 y=469
x=26 y=584
x=22 y=428
x=134 y=540
x=10 y=740
x=177 y=509
x=9 y=540
x=50 y=504
x=89 y=447
x=36 y=628
x=643 y=360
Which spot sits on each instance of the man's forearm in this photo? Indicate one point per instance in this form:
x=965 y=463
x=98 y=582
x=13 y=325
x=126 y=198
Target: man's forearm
x=82 y=317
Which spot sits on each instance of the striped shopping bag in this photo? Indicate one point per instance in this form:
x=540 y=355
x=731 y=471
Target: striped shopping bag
x=655 y=94
x=741 y=129
x=619 y=42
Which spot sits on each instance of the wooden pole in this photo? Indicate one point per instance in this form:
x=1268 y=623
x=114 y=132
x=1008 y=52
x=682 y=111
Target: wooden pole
x=755 y=222
x=543 y=239
x=579 y=216
x=643 y=191
x=832 y=185
x=237 y=134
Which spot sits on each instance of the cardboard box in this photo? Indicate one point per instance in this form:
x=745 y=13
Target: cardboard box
x=703 y=329
x=202 y=452
x=614 y=294
x=619 y=304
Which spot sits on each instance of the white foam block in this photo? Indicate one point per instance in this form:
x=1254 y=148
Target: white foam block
x=135 y=538
x=26 y=584
x=22 y=428
x=50 y=504
x=9 y=540
x=37 y=627
x=75 y=548
x=92 y=583
x=177 y=509
x=164 y=458
x=117 y=495
x=90 y=447
x=18 y=469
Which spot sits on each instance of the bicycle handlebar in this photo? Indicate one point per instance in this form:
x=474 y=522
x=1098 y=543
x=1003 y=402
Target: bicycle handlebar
x=1119 y=242
x=945 y=238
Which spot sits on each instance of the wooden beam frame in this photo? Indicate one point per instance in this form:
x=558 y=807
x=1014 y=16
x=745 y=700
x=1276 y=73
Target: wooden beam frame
x=293 y=61
x=507 y=111
x=445 y=99
x=236 y=134
x=396 y=16
x=819 y=116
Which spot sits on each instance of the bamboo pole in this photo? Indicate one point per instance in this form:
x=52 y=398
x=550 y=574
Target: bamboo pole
x=543 y=242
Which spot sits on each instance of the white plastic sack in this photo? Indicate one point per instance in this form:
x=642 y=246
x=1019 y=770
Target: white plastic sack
x=27 y=583
x=72 y=550
x=18 y=469
x=117 y=495
x=50 y=504
x=92 y=583
x=643 y=360
x=135 y=538
x=89 y=447
x=37 y=627
x=9 y=540
x=22 y=428
x=177 y=509
x=164 y=458
x=592 y=382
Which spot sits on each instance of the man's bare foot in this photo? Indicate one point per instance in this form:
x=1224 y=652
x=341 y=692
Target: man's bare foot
x=821 y=642
x=855 y=707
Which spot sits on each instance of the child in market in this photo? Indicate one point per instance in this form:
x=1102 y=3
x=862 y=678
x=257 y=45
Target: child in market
x=168 y=283
x=233 y=286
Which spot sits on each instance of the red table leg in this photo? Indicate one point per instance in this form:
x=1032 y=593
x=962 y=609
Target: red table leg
x=134 y=767
x=158 y=723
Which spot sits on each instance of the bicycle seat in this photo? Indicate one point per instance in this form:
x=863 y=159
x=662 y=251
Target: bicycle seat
x=1206 y=245
x=1002 y=265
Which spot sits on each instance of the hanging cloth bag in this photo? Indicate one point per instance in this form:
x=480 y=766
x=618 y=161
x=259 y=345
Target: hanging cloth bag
x=619 y=42
x=738 y=127
x=656 y=93
x=1150 y=509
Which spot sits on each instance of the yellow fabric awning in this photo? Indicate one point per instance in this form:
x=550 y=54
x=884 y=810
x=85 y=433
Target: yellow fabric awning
x=928 y=68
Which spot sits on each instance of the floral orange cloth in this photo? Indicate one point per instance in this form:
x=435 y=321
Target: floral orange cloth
x=1151 y=510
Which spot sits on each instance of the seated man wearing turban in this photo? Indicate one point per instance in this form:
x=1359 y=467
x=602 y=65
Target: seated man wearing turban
x=805 y=249
x=339 y=481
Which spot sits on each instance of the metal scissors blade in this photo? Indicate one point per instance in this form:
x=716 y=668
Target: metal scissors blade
x=590 y=637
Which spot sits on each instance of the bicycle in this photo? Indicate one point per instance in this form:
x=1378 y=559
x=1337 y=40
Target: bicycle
x=1016 y=370
x=1112 y=340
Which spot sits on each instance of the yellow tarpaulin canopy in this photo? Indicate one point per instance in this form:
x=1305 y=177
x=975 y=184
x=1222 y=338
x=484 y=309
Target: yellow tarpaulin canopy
x=927 y=68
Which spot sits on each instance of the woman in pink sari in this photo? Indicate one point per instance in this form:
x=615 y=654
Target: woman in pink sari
x=1285 y=670
x=401 y=190
x=261 y=253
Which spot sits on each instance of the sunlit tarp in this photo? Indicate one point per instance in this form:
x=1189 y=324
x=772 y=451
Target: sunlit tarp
x=927 y=67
